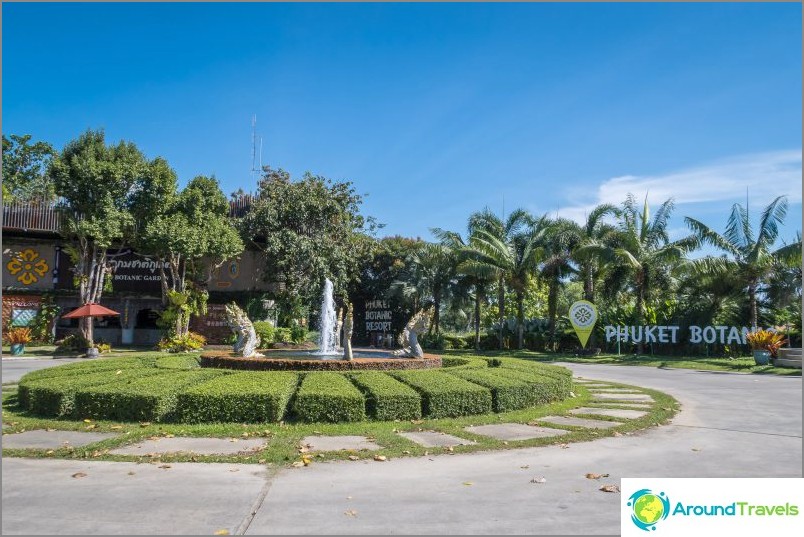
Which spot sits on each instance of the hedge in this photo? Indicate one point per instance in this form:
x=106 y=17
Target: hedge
x=463 y=363
x=152 y=398
x=545 y=388
x=178 y=361
x=446 y=396
x=56 y=396
x=240 y=398
x=387 y=398
x=91 y=366
x=328 y=397
x=562 y=375
x=507 y=393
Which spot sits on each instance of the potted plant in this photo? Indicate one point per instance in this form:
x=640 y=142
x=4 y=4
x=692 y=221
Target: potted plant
x=17 y=338
x=765 y=344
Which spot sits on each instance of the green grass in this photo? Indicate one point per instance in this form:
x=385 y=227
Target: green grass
x=736 y=365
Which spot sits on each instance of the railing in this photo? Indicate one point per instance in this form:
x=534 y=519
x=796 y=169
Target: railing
x=49 y=216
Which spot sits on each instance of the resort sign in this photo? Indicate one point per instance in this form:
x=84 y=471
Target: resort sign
x=583 y=316
x=726 y=335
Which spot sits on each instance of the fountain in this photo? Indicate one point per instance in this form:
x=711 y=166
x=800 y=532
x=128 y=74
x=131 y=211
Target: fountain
x=327 y=339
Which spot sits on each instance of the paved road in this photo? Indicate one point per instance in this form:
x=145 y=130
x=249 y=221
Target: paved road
x=730 y=426
x=15 y=368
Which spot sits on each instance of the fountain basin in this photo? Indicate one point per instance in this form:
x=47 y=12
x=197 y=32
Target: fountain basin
x=283 y=360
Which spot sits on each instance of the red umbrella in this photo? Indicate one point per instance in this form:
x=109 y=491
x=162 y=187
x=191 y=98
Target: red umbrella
x=90 y=310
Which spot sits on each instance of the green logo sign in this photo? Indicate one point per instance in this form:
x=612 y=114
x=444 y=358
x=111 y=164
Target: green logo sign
x=648 y=508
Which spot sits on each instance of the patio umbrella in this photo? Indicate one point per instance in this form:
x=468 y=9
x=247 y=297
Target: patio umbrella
x=90 y=310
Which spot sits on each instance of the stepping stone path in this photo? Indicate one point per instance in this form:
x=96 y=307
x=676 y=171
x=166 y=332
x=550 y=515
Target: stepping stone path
x=611 y=412
x=337 y=443
x=630 y=397
x=41 y=439
x=578 y=422
x=435 y=439
x=199 y=446
x=515 y=431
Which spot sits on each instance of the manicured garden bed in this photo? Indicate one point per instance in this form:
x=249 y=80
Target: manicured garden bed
x=174 y=388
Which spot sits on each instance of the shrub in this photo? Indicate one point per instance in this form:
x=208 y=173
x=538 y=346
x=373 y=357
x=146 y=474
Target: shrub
x=72 y=343
x=462 y=363
x=283 y=335
x=189 y=342
x=507 y=393
x=92 y=366
x=15 y=336
x=544 y=388
x=178 y=362
x=328 y=397
x=265 y=331
x=387 y=398
x=432 y=341
x=298 y=334
x=42 y=323
x=765 y=340
x=241 y=397
x=446 y=396
x=103 y=347
x=55 y=396
x=148 y=398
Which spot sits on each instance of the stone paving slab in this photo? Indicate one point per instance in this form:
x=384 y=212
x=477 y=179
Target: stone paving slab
x=578 y=422
x=612 y=412
x=42 y=439
x=623 y=397
x=200 y=446
x=614 y=390
x=435 y=439
x=514 y=431
x=337 y=443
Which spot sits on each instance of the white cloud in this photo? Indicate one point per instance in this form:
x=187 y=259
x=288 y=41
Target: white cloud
x=765 y=175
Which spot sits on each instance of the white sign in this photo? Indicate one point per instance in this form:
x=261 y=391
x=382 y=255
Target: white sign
x=725 y=335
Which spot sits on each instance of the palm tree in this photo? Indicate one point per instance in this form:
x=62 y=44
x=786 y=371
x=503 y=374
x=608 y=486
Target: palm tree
x=514 y=261
x=560 y=241
x=594 y=231
x=642 y=250
x=751 y=257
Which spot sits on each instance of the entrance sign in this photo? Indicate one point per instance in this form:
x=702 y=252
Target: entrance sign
x=725 y=335
x=583 y=316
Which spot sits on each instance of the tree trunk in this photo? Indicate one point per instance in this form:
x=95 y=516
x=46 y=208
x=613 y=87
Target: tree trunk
x=477 y=317
x=552 y=307
x=520 y=319
x=501 y=308
x=640 y=317
x=752 y=299
x=437 y=313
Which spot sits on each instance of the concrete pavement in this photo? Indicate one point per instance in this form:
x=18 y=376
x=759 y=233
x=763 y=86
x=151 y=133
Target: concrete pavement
x=15 y=368
x=730 y=426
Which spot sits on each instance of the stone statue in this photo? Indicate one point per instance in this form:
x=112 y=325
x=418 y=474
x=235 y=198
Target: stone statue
x=247 y=340
x=348 y=326
x=338 y=327
x=410 y=341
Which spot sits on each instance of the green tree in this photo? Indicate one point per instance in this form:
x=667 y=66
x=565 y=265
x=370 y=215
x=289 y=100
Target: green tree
x=560 y=240
x=642 y=251
x=190 y=239
x=25 y=164
x=308 y=230
x=749 y=255
x=100 y=185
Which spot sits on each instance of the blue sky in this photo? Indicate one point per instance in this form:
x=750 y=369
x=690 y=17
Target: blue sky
x=433 y=110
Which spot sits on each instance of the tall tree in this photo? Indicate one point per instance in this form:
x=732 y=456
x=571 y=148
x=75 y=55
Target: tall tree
x=749 y=255
x=104 y=187
x=642 y=250
x=560 y=240
x=25 y=164
x=190 y=238
x=308 y=230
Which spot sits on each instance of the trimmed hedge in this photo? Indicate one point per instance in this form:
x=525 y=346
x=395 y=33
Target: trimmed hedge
x=328 y=397
x=545 y=389
x=151 y=398
x=561 y=374
x=178 y=361
x=91 y=366
x=507 y=393
x=55 y=396
x=445 y=396
x=387 y=398
x=463 y=363
x=240 y=397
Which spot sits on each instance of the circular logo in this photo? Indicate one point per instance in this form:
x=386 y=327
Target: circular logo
x=648 y=508
x=583 y=314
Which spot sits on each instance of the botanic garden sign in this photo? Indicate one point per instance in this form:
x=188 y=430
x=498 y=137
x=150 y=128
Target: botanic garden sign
x=726 y=335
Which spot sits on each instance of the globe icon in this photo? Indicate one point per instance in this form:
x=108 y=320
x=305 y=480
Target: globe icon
x=648 y=509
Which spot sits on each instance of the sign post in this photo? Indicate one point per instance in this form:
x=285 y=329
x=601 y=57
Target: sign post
x=583 y=316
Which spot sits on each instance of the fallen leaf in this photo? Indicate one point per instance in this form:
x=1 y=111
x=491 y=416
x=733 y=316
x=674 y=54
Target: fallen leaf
x=449 y=448
x=320 y=455
x=306 y=460
x=317 y=432
x=617 y=434
x=50 y=430
x=298 y=464
x=596 y=476
x=417 y=421
x=380 y=458
x=350 y=512
x=505 y=443
x=93 y=426
x=244 y=435
x=354 y=458
x=165 y=466
x=538 y=480
x=468 y=483
x=235 y=470
x=406 y=452
x=610 y=488
x=696 y=449
x=348 y=497
x=145 y=423
x=564 y=446
x=525 y=467
x=79 y=474
x=261 y=461
x=87 y=421
x=222 y=532
x=119 y=371
x=116 y=427
x=49 y=452
x=131 y=473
